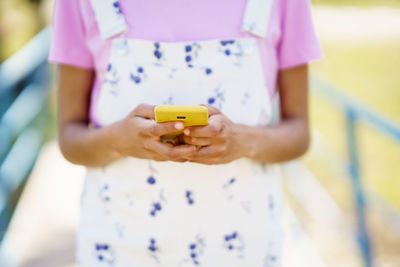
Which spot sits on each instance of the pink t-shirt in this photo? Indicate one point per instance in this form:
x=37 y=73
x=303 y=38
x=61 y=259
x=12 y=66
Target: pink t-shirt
x=291 y=39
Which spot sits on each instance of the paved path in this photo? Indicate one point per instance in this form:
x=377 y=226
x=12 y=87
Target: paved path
x=356 y=24
x=42 y=231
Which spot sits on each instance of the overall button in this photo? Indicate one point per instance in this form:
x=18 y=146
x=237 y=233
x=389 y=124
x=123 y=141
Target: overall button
x=248 y=48
x=121 y=46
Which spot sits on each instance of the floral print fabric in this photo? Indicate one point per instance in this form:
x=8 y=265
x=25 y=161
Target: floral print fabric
x=137 y=212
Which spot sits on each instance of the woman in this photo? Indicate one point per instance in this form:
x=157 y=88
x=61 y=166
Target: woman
x=213 y=199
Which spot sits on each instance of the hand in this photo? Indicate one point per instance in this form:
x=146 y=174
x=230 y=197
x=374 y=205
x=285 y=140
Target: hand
x=218 y=142
x=138 y=135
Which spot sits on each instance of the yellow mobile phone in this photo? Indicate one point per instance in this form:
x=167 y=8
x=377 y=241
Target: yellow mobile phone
x=189 y=115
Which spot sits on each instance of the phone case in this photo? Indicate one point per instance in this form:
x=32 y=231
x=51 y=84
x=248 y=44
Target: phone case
x=189 y=115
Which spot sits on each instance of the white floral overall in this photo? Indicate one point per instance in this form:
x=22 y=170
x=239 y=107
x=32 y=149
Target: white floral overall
x=144 y=213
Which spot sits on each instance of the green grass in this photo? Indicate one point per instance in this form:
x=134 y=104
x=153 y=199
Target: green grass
x=370 y=73
x=17 y=26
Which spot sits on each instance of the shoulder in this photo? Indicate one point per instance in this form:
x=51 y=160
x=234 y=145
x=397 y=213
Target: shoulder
x=294 y=7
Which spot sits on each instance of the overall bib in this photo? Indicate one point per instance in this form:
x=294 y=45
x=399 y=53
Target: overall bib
x=142 y=213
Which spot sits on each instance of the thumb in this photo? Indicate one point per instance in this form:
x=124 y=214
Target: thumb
x=143 y=110
x=159 y=129
x=211 y=109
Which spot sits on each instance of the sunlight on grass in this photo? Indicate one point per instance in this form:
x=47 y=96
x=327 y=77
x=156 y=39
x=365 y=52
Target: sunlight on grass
x=370 y=73
x=363 y=3
x=326 y=158
x=379 y=157
x=17 y=25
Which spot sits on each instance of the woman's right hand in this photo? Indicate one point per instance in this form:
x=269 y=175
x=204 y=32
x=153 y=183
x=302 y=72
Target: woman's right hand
x=138 y=135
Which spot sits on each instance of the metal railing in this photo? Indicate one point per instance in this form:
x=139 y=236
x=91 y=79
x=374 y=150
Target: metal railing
x=355 y=113
x=24 y=83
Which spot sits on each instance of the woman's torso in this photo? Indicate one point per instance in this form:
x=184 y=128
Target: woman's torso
x=138 y=212
x=180 y=21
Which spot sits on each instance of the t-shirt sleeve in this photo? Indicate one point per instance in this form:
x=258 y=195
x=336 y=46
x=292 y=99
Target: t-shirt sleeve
x=298 y=44
x=69 y=43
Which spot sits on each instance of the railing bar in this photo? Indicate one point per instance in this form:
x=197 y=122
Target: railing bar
x=385 y=126
x=25 y=60
x=359 y=198
x=385 y=209
x=20 y=158
x=25 y=108
x=344 y=101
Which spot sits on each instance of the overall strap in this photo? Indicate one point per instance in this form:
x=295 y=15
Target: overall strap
x=111 y=21
x=257 y=16
x=109 y=17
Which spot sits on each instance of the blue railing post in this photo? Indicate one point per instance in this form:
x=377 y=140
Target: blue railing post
x=357 y=112
x=24 y=84
x=359 y=198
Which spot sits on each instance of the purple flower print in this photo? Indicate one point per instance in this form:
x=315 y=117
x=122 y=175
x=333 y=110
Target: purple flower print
x=195 y=251
x=104 y=253
x=227 y=186
x=105 y=193
x=138 y=75
x=217 y=99
x=117 y=7
x=112 y=79
x=153 y=249
x=189 y=197
x=156 y=205
x=234 y=242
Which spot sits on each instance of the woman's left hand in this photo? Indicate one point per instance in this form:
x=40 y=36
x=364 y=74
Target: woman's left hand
x=218 y=142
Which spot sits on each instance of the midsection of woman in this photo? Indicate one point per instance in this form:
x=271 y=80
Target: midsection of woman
x=142 y=212
x=179 y=204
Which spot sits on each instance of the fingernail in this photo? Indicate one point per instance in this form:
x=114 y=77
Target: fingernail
x=187 y=131
x=178 y=126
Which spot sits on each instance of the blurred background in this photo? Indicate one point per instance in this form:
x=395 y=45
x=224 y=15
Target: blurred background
x=342 y=204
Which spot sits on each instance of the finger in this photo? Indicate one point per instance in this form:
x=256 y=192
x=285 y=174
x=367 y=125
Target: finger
x=208 y=161
x=169 y=151
x=208 y=154
x=179 y=140
x=173 y=141
x=157 y=157
x=162 y=128
x=212 y=129
x=197 y=141
x=211 y=109
x=209 y=151
x=144 y=110
x=155 y=146
x=182 y=151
